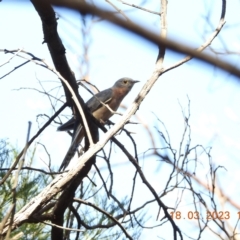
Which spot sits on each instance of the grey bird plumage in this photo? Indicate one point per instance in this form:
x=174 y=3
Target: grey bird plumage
x=112 y=97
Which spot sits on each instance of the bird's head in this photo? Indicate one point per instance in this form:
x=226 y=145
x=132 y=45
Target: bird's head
x=125 y=83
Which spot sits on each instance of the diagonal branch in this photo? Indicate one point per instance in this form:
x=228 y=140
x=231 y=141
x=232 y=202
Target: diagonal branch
x=208 y=41
x=60 y=182
x=106 y=213
x=30 y=142
x=85 y=8
x=57 y=52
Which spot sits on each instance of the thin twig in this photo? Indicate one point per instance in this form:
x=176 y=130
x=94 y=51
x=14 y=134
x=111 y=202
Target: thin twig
x=107 y=214
x=14 y=55
x=142 y=8
x=118 y=9
x=64 y=228
x=148 y=35
x=74 y=97
x=30 y=142
x=204 y=45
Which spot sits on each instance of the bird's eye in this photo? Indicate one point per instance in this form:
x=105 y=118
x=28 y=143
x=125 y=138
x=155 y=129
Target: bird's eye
x=125 y=81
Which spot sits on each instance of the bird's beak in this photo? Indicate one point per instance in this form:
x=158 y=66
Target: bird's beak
x=135 y=81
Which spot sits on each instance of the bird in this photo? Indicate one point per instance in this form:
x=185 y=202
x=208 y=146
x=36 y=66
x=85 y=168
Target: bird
x=112 y=97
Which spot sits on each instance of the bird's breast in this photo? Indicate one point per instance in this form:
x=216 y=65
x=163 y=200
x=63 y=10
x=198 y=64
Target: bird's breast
x=103 y=113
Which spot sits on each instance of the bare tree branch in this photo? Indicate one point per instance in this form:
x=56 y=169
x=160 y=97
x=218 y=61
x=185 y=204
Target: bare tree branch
x=104 y=212
x=85 y=8
x=141 y=8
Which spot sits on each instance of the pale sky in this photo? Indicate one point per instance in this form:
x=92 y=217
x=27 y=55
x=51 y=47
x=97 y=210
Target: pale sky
x=113 y=53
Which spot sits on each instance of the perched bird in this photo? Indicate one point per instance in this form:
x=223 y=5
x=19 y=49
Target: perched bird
x=112 y=97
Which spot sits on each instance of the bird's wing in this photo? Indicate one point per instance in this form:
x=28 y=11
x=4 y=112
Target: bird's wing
x=93 y=103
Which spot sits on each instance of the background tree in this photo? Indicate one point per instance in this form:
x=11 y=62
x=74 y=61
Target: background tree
x=182 y=187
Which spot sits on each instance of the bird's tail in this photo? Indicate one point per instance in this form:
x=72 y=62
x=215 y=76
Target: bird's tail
x=76 y=140
x=67 y=126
